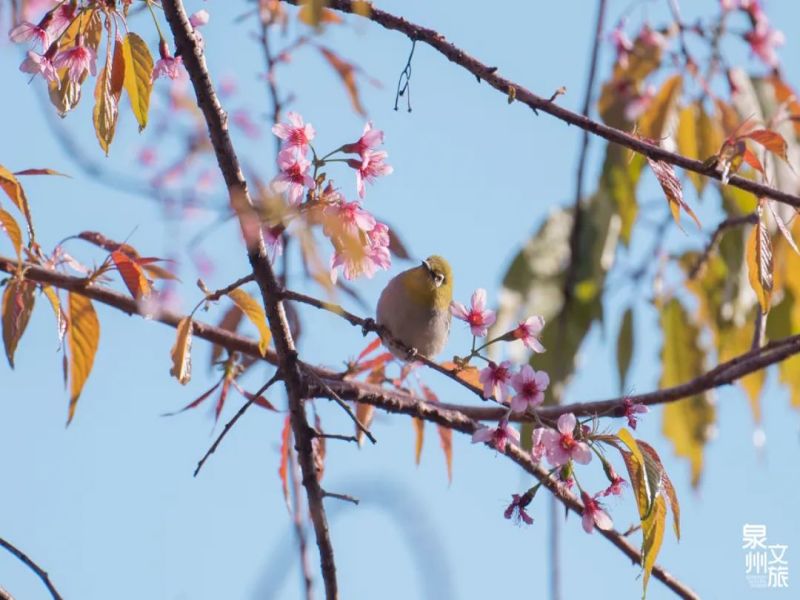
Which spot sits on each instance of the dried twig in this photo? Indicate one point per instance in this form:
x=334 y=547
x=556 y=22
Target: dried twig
x=26 y=560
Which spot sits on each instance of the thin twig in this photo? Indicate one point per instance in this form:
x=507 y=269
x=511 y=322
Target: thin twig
x=229 y=425
x=298 y=523
x=335 y=436
x=26 y=560
x=728 y=223
x=343 y=497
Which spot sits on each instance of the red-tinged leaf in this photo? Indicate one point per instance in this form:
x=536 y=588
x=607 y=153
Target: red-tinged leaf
x=101 y=241
x=771 y=140
x=257 y=400
x=446 y=441
x=17 y=305
x=11 y=227
x=781 y=225
x=373 y=363
x=672 y=190
x=318 y=446
x=61 y=317
x=255 y=313
x=419 y=438
x=229 y=322
x=751 y=159
x=347 y=73
x=182 y=352
x=157 y=272
x=13 y=189
x=468 y=374
x=196 y=402
x=138 y=80
x=84 y=336
x=132 y=274
x=371 y=347
x=786 y=95
x=283 y=470
x=223 y=395
x=40 y=172
x=364 y=413
x=759 y=264
x=666 y=483
x=106 y=104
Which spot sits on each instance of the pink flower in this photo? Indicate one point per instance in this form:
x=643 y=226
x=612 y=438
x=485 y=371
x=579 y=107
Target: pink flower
x=517 y=509
x=28 y=32
x=295 y=134
x=562 y=446
x=379 y=236
x=147 y=156
x=496 y=379
x=763 y=40
x=369 y=140
x=200 y=18
x=528 y=331
x=371 y=166
x=622 y=44
x=39 y=64
x=273 y=240
x=294 y=176
x=478 y=317
x=62 y=18
x=593 y=514
x=538 y=447
x=630 y=410
x=498 y=437
x=241 y=118
x=167 y=67
x=530 y=386
x=77 y=60
x=351 y=218
x=651 y=37
x=615 y=487
x=361 y=255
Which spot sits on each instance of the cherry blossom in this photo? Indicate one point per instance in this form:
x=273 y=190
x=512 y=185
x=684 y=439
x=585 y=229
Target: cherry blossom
x=594 y=515
x=763 y=41
x=294 y=176
x=528 y=332
x=616 y=485
x=350 y=217
x=538 y=447
x=517 y=509
x=28 y=32
x=200 y=18
x=39 y=64
x=622 y=44
x=167 y=66
x=530 y=386
x=478 y=316
x=495 y=380
x=371 y=166
x=296 y=133
x=562 y=446
x=369 y=140
x=630 y=410
x=77 y=60
x=498 y=437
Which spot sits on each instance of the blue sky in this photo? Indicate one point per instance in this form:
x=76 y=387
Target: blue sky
x=109 y=506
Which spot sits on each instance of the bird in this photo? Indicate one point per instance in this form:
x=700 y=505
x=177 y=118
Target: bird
x=414 y=308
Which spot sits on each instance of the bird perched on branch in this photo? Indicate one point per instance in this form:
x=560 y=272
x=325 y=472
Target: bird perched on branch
x=415 y=308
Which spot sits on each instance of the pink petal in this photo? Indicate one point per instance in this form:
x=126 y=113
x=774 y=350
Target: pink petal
x=581 y=453
x=479 y=300
x=458 y=310
x=566 y=423
x=602 y=520
x=588 y=521
x=484 y=434
x=518 y=404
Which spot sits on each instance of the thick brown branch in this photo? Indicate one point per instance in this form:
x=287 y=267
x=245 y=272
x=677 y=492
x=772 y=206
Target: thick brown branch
x=509 y=88
x=26 y=560
x=188 y=47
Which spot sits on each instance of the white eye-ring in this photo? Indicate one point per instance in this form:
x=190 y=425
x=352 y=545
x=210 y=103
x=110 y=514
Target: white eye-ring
x=438 y=279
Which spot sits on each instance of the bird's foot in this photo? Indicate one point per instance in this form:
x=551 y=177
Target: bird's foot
x=368 y=325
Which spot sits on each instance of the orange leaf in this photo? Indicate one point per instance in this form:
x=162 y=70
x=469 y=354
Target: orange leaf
x=283 y=470
x=364 y=413
x=132 y=274
x=84 y=336
x=55 y=303
x=347 y=73
x=771 y=140
x=18 y=300
x=468 y=374
x=419 y=431
x=182 y=352
x=13 y=189
x=672 y=190
x=373 y=363
x=371 y=347
x=257 y=400
x=11 y=227
x=157 y=272
x=445 y=433
x=313 y=16
x=255 y=313
x=752 y=160
x=223 y=394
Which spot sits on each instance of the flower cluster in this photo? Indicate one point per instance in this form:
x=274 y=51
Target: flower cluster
x=360 y=242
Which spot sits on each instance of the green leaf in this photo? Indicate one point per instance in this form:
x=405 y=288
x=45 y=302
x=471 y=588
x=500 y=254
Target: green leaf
x=625 y=346
x=138 y=76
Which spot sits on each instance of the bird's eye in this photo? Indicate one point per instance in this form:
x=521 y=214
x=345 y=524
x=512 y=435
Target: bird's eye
x=438 y=279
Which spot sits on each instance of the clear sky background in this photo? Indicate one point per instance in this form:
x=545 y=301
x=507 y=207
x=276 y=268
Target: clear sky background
x=109 y=506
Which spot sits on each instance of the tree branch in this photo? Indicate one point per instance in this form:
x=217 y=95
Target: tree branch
x=41 y=573
x=187 y=46
x=509 y=88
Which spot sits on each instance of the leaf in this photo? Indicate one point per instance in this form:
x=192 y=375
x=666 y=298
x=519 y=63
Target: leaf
x=364 y=413
x=61 y=318
x=84 y=336
x=654 y=123
x=686 y=422
x=645 y=477
x=182 y=352
x=14 y=191
x=11 y=227
x=196 y=402
x=759 y=263
x=468 y=374
x=709 y=134
x=419 y=438
x=313 y=13
x=787 y=235
x=730 y=158
x=64 y=94
x=17 y=305
x=229 y=322
x=138 y=76
x=751 y=159
x=771 y=140
x=446 y=441
x=371 y=347
x=672 y=190
x=347 y=73
x=786 y=95
x=255 y=313
x=653 y=536
x=650 y=453
x=40 y=172
x=223 y=395
x=106 y=97
x=688 y=143
x=132 y=274
x=283 y=469
x=625 y=346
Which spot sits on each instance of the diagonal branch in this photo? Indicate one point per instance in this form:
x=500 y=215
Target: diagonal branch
x=41 y=573
x=191 y=51
x=511 y=89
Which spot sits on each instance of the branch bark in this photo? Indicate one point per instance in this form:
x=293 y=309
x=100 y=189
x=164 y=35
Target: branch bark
x=187 y=46
x=28 y=562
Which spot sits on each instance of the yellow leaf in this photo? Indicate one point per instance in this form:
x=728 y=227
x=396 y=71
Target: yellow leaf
x=138 y=76
x=655 y=121
x=13 y=189
x=686 y=422
x=84 y=336
x=653 y=534
x=759 y=264
x=106 y=95
x=182 y=352
x=55 y=303
x=10 y=226
x=17 y=306
x=687 y=139
x=65 y=94
x=312 y=12
x=255 y=313
x=419 y=433
x=364 y=414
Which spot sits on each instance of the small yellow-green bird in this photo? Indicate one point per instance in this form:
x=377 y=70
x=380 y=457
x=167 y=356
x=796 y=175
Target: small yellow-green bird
x=415 y=308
